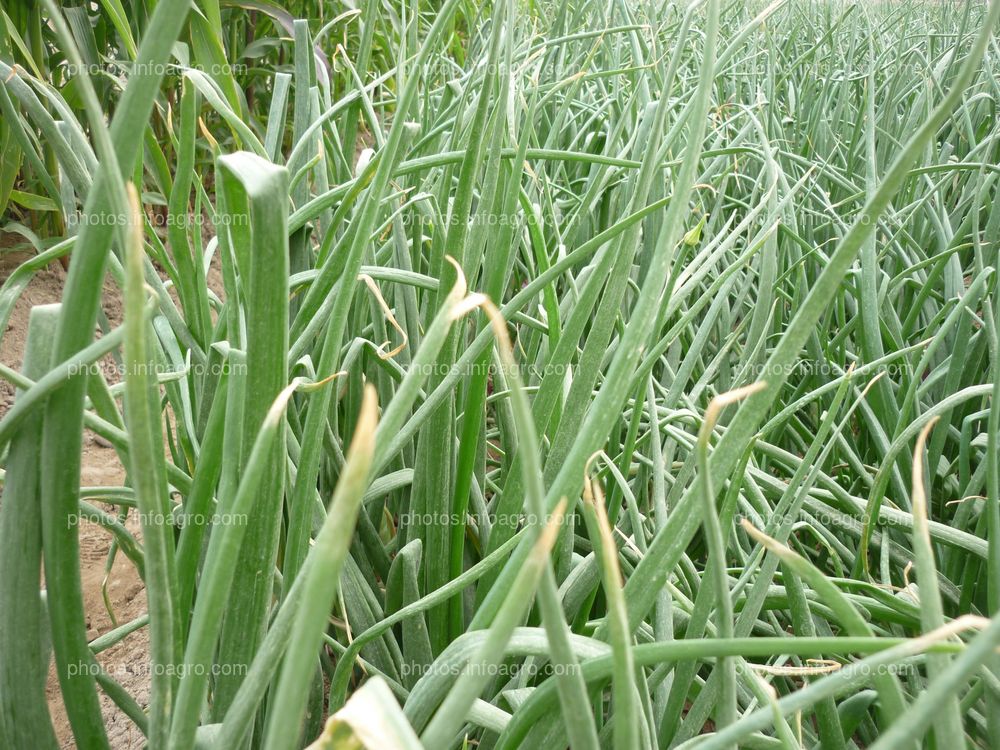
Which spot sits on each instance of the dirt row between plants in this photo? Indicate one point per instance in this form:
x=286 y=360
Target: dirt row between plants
x=127 y=661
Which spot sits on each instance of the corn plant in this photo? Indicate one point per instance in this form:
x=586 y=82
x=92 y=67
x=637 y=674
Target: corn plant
x=550 y=374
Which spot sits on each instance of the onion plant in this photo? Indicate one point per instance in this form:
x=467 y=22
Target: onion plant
x=549 y=374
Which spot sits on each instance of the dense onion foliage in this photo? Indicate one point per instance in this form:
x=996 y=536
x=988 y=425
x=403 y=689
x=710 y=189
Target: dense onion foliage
x=548 y=374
